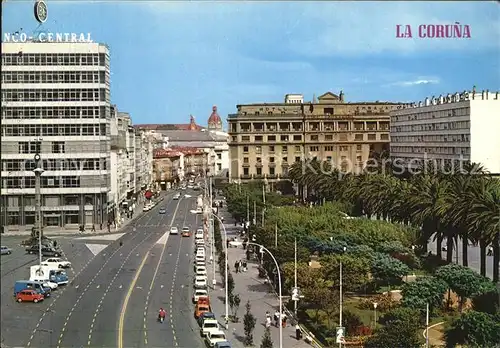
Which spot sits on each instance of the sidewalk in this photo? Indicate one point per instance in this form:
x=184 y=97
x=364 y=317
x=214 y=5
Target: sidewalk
x=261 y=296
x=58 y=231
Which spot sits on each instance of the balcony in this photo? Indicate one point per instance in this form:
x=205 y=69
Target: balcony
x=258 y=164
x=245 y=176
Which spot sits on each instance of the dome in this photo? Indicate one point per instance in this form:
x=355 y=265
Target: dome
x=214 y=121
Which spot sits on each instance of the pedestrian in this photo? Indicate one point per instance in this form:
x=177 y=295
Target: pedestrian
x=100 y=226
x=240 y=265
x=268 y=322
x=236 y=266
x=490 y=250
x=55 y=243
x=93 y=228
x=276 y=318
x=244 y=266
x=283 y=321
x=298 y=332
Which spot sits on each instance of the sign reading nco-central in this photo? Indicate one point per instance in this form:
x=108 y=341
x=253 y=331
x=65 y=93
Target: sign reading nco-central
x=48 y=37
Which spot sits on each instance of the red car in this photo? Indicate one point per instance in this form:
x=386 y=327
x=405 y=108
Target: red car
x=29 y=296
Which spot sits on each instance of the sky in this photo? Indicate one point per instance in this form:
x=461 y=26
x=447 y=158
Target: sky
x=173 y=59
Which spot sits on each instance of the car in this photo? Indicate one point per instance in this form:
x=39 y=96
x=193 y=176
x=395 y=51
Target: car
x=199 y=293
x=49 y=284
x=46 y=251
x=201 y=270
x=212 y=338
x=6 y=250
x=198 y=234
x=208 y=326
x=223 y=344
x=199 y=263
x=56 y=261
x=162 y=211
x=199 y=258
x=29 y=295
x=174 y=230
x=186 y=233
x=200 y=282
x=147 y=208
x=201 y=308
x=204 y=316
x=186 y=230
x=200 y=249
x=200 y=242
x=177 y=196
x=199 y=210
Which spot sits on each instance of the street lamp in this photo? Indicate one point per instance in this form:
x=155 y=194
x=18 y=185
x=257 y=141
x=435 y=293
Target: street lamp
x=263 y=248
x=340 y=332
x=375 y=304
x=38 y=204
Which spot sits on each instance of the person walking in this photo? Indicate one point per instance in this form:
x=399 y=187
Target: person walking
x=236 y=266
x=244 y=266
x=276 y=318
x=93 y=228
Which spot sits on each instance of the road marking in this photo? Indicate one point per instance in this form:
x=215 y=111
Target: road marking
x=131 y=289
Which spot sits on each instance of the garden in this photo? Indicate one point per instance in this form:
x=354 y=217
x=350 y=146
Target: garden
x=389 y=280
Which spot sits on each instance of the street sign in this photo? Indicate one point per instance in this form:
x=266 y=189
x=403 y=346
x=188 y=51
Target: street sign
x=340 y=335
x=295 y=294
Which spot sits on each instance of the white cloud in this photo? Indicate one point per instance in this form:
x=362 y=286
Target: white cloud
x=420 y=81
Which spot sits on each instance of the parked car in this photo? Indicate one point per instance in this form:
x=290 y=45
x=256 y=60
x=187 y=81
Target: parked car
x=223 y=344
x=6 y=250
x=29 y=296
x=209 y=326
x=199 y=293
x=200 y=282
x=46 y=251
x=57 y=262
x=204 y=316
x=214 y=337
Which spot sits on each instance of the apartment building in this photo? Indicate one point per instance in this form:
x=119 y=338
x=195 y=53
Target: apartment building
x=131 y=162
x=449 y=129
x=55 y=103
x=266 y=138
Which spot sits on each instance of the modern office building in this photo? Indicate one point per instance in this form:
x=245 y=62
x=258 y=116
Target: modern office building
x=55 y=102
x=449 y=130
x=265 y=138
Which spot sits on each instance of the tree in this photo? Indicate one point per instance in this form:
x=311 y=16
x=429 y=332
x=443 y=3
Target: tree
x=387 y=269
x=354 y=270
x=234 y=303
x=464 y=282
x=474 y=329
x=267 y=341
x=318 y=297
x=423 y=291
x=399 y=331
x=230 y=283
x=248 y=325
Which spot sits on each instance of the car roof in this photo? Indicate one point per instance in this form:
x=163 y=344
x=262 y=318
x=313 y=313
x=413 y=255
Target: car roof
x=201 y=278
x=210 y=320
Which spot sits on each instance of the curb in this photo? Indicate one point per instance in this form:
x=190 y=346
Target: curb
x=430 y=327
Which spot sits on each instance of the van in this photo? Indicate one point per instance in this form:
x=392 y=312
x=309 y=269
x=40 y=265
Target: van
x=31 y=285
x=50 y=272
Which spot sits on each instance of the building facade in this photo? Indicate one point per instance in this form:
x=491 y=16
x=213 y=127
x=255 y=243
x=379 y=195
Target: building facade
x=55 y=102
x=449 y=130
x=266 y=138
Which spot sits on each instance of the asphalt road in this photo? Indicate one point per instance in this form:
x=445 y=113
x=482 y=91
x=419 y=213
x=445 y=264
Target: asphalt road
x=151 y=269
x=164 y=282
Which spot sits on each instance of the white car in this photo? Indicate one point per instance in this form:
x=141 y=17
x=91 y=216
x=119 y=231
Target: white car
x=199 y=293
x=200 y=242
x=198 y=234
x=201 y=270
x=209 y=326
x=177 y=196
x=56 y=261
x=49 y=284
x=212 y=338
x=200 y=258
x=174 y=230
x=200 y=249
x=200 y=282
x=198 y=264
x=199 y=210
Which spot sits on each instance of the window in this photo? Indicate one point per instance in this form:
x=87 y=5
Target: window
x=245 y=149
x=328 y=148
x=245 y=160
x=259 y=171
x=313 y=138
x=58 y=147
x=284 y=138
x=271 y=171
x=297 y=148
x=258 y=149
x=297 y=159
x=271 y=138
x=258 y=138
x=313 y=148
x=245 y=171
x=344 y=148
x=271 y=159
x=297 y=137
x=271 y=148
x=358 y=147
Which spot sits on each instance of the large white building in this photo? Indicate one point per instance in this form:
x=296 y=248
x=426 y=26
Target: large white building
x=55 y=102
x=449 y=129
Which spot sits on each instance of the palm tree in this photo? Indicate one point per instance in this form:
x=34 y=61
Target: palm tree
x=485 y=220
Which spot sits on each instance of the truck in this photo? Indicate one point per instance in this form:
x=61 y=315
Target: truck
x=51 y=273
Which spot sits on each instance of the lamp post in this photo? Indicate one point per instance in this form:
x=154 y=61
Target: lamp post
x=263 y=248
x=295 y=275
x=340 y=302
x=375 y=304
x=38 y=204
